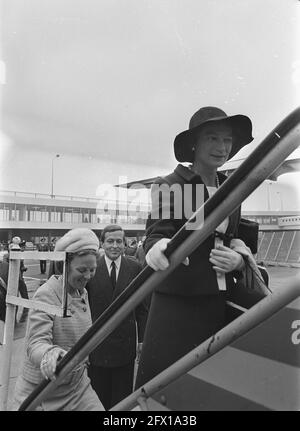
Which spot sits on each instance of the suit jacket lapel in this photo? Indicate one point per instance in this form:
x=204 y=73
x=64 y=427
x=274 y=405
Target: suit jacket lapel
x=104 y=278
x=123 y=277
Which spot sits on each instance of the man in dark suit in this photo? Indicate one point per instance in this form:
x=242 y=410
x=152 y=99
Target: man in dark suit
x=112 y=363
x=42 y=246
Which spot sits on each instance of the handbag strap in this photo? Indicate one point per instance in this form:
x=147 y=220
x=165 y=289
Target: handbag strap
x=3 y=284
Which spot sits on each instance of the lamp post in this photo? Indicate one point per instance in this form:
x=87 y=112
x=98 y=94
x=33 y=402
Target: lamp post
x=280 y=199
x=55 y=157
x=268 y=193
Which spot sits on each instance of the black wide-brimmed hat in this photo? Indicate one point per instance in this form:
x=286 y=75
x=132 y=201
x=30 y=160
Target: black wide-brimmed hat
x=241 y=129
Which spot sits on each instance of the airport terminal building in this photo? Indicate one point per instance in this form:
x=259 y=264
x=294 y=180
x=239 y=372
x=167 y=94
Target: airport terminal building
x=33 y=216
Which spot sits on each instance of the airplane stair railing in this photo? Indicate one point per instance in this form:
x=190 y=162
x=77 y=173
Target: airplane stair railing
x=257 y=314
x=270 y=154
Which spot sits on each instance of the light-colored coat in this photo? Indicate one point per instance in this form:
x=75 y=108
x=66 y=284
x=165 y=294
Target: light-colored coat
x=45 y=331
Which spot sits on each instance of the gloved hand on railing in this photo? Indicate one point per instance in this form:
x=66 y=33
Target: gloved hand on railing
x=49 y=362
x=156 y=258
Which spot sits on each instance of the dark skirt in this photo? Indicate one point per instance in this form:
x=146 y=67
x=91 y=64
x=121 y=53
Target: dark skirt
x=175 y=326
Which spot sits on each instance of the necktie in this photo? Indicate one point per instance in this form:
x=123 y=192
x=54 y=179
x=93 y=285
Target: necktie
x=113 y=274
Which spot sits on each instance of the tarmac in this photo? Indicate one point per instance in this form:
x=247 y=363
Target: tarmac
x=279 y=277
x=17 y=354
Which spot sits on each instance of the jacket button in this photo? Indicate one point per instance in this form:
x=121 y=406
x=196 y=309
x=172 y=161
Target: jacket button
x=84 y=308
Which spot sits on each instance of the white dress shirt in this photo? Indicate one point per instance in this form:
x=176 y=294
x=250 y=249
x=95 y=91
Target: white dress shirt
x=221 y=228
x=108 y=262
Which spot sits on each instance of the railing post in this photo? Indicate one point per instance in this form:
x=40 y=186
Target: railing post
x=12 y=289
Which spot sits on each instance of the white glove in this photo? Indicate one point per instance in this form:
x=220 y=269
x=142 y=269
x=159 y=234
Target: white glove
x=156 y=258
x=49 y=362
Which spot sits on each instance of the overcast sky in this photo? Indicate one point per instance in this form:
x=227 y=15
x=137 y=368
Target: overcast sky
x=108 y=84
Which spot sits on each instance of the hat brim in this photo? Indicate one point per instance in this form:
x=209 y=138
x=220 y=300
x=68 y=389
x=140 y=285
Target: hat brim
x=76 y=240
x=242 y=135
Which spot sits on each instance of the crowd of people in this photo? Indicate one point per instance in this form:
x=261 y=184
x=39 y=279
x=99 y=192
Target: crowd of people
x=183 y=311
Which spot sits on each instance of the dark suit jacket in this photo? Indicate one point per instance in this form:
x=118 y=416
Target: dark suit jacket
x=43 y=247
x=119 y=348
x=4 y=269
x=198 y=278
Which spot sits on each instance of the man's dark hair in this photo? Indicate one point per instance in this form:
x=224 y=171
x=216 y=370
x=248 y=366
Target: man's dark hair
x=111 y=228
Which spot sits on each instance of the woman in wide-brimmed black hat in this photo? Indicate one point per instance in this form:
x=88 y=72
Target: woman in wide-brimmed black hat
x=189 y=305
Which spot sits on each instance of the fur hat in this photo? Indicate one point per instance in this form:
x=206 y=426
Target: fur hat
x=77 y=240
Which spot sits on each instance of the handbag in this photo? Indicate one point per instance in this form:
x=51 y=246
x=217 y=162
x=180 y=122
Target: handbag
x=249 y=288
x=248 y=232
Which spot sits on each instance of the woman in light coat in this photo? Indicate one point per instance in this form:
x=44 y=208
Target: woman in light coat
x=49 y=337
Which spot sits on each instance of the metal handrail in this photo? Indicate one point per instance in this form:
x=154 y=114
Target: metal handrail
x=257 y=314
x=282 y=141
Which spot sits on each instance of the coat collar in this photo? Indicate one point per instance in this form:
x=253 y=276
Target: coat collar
x=108 y=262
x=123 y=275
x=189 y=176
x=56 y=282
